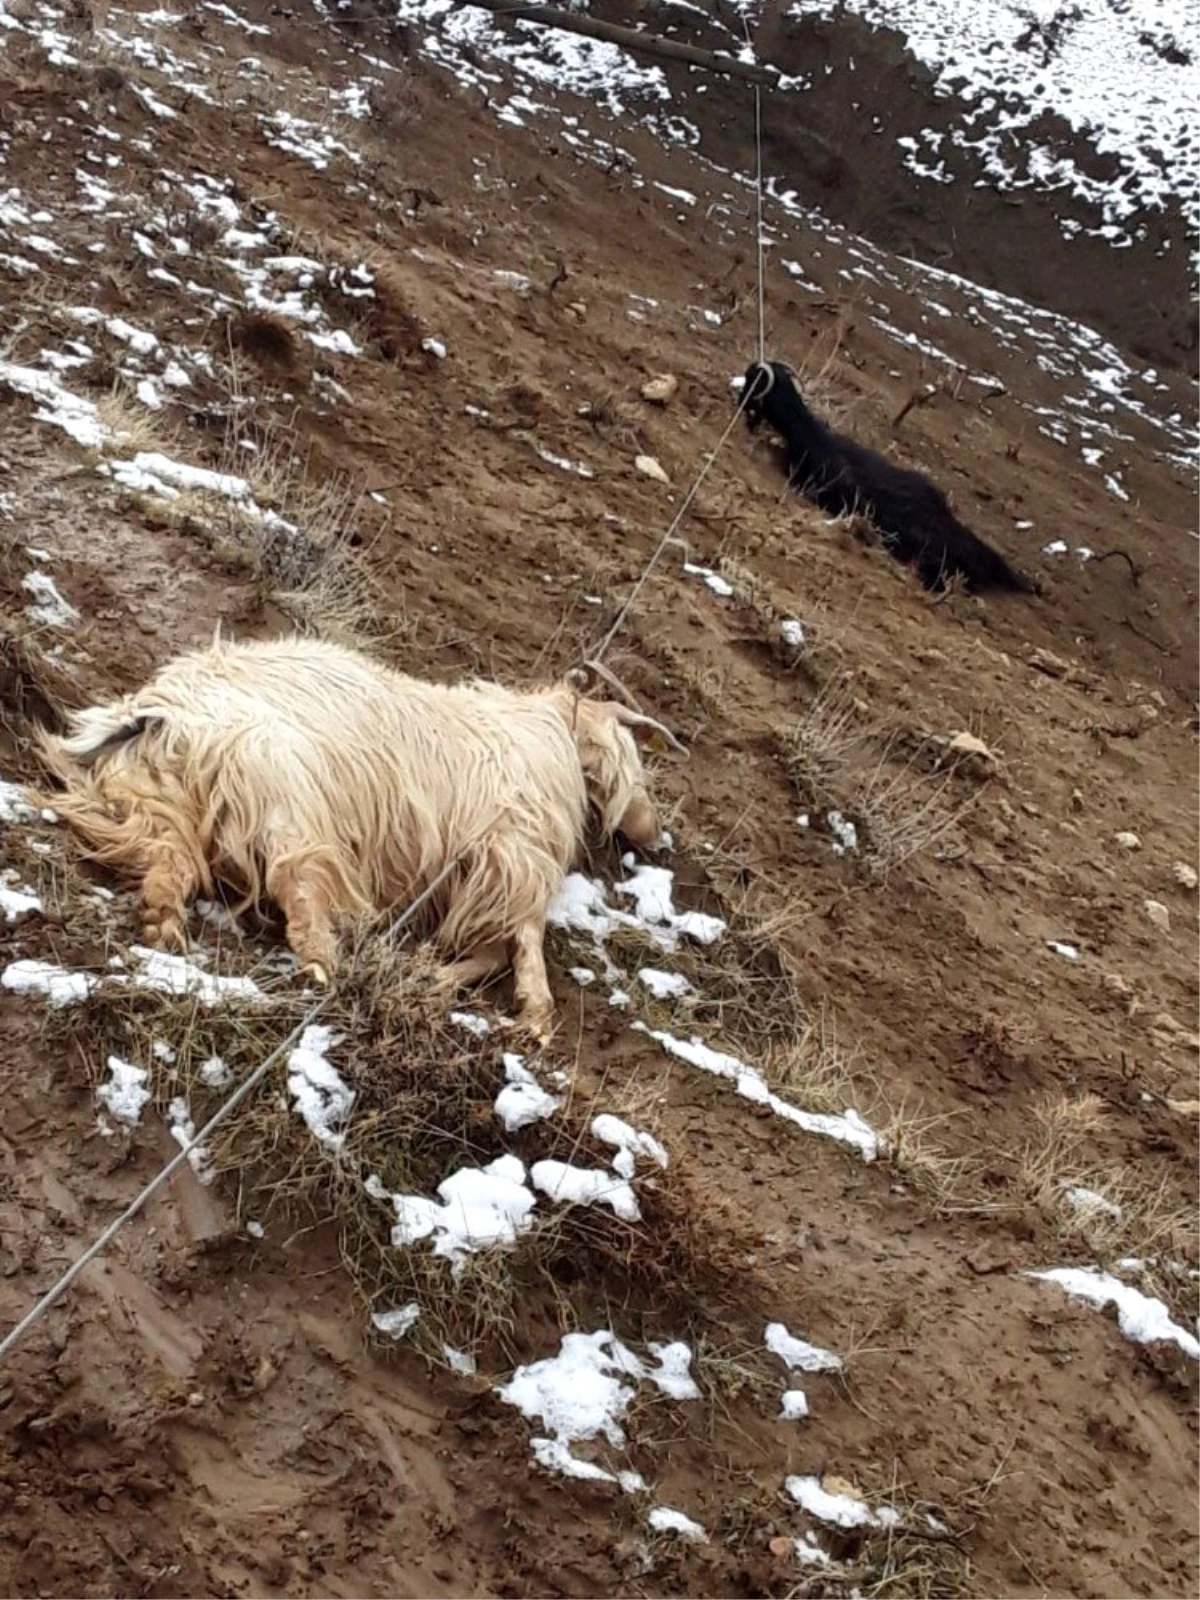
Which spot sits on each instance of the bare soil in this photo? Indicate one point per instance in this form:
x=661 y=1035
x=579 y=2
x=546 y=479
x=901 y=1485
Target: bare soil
x=204 y=1413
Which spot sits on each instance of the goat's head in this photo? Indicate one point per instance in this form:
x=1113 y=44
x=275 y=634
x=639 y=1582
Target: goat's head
x=761 y=377
x=611 y=762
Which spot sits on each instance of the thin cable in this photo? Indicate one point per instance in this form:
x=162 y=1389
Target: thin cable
x=762 y=287
x=40 y=1308
x=599 y=652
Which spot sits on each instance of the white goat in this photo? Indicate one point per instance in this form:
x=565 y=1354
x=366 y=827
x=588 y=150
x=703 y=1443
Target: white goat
x=313 y=776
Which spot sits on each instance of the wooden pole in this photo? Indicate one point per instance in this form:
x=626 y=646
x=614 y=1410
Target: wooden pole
x=632 y=39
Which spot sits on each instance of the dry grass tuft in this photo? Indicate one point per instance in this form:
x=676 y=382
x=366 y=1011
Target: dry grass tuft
x=131 y=425
x=1105 y=1207
x=34 y=688
x=385 y=320
x=838 y=763
x=811 y=1069
x=424 y=1108
x=266 y=338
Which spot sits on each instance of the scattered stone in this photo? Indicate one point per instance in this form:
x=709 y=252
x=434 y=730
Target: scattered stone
x=661 y=389
x=1046 y=661
x=1116 y=984
x=969 y=744
x=1129 y=841
x=650 y=468
x=1185 y=1108
x=577 y=309
x=1158 y=914
x=1184 y=875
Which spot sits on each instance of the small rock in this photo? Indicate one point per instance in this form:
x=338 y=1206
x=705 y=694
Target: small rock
x=780 y=1546
x=1116 y=984
x=1158 y=914
x=1046 y=661
x=661 y=389
x=650 y=468
x=1077 y=800
x=1184 y=875
x=578 y=309
x=969 y=744
x=1185 y=1108
x=1129 y=841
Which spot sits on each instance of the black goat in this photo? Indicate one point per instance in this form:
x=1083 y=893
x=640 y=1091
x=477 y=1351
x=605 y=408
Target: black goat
x=912 y=515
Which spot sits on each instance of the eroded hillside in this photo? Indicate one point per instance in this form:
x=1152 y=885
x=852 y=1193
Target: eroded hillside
x=307 y=323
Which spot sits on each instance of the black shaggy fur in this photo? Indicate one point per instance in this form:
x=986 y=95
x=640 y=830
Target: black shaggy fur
x=912 y=515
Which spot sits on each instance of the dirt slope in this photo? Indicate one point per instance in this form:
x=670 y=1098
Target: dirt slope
x=205 y=1413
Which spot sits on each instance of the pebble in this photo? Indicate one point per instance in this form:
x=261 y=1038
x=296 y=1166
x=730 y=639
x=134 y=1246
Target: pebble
x=660 y=389
x=1129 y=841
x=650 y=468
x=1158 y=914
x=1184 y=875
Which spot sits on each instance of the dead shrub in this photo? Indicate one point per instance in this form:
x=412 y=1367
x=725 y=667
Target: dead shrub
x=268 y=339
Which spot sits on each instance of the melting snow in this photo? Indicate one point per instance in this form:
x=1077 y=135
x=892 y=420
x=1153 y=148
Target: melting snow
x=15 y=807
x=50 y=609
x=628 y=1142
x=839 y=1509
x=665 y=1519
x=396 y=1323
x=794 y=1406
x=1140 y=1317
x=581 y=906
x=183 y=1131
x=60 y=987
x=797 y=1354
x=714 y=580
x=664 y=985
x=585 y=1186
x=583 y=1393
x=57 y=406
x=1115 y=73
x=522 y=1101
x=479 y=1207
x=124 y=1093
x=320 y=1094
x=849 y=1128
x=845 y=834
x=17 y=903
x=1070 y=952
x=172 y=974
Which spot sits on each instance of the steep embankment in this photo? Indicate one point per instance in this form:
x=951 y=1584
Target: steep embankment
x=302 y=328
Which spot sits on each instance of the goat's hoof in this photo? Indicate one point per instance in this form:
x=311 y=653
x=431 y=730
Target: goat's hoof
x=164 y=932
x=318 y=974
x=539 y=1028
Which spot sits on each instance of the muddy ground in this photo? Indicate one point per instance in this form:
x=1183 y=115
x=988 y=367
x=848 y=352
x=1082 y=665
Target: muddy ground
x=205 y=1412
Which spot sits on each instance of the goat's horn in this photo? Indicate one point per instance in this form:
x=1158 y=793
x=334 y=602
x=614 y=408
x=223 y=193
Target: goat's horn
x=599 y=670
x=752 y=391
x=636 y=719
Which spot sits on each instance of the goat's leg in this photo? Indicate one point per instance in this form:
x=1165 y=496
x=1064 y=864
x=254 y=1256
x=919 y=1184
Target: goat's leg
x=169 y=882
x=535 y=1006
x=309 y=916
x=484 y=962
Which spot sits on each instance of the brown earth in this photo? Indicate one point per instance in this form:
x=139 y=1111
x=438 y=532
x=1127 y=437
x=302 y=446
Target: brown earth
x=203 y=1413
x=836 y=145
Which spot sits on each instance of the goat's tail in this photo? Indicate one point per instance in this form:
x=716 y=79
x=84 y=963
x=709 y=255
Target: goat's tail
x=93 y=732
x=988 y=569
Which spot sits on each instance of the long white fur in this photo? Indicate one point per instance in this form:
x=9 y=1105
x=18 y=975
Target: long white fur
x=255 y=756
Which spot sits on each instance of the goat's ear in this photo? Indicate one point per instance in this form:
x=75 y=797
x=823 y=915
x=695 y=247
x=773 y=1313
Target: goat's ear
x=634 y=719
